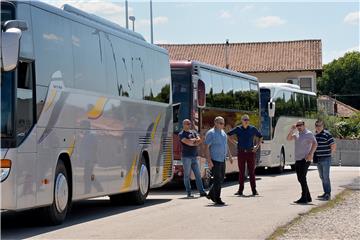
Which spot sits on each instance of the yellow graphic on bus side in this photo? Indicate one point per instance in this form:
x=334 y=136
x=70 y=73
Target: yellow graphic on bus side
x=129 y=177
x=70 y=150
x=156 y=123
x=51 y=100
x=98 y=109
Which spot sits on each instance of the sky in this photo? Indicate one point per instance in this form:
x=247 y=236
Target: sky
x=336 y=23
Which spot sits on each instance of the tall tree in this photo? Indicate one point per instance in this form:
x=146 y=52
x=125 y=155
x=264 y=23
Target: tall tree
x=342 y=77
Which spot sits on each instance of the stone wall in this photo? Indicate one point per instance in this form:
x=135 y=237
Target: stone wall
x=347 y=153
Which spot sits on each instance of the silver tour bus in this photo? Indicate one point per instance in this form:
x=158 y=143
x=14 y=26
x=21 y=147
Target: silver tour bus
x=282 y=104
x=85 y=110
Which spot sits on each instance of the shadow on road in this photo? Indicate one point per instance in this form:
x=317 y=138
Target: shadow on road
x=25 y=224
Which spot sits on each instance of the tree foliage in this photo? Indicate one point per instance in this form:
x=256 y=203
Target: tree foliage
x=342 y=76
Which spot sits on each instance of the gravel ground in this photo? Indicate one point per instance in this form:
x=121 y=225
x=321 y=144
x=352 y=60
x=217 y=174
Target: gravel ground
x=339 y=222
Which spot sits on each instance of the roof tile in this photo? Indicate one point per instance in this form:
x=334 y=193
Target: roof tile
x=301 y=55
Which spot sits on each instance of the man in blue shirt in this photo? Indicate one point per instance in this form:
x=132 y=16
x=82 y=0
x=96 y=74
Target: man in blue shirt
x=326 y=146
x=190 y=141
x=216 y=142
x=247 y=147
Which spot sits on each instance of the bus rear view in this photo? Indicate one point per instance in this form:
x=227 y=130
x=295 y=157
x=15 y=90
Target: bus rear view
x=205 y=91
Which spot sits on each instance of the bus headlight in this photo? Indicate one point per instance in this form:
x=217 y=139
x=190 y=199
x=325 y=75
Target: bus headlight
x=265 y=152
x=5 y=168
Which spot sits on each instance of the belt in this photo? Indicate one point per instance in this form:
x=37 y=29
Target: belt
x=246 y=149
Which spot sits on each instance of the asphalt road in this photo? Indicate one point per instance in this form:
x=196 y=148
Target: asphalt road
x=167 y=214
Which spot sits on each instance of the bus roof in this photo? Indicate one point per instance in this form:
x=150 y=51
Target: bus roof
x=285 y=86
x=192 y=63
x=92 y=20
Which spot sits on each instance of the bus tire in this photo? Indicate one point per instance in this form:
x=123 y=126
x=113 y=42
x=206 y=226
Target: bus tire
x=138 y=197
x=118 y=199
x=55 y=214
x=280 y=168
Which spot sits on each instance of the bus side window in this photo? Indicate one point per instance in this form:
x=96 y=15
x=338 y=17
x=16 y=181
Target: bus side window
x=54 y=51
x=89 y=58
x=25 y=103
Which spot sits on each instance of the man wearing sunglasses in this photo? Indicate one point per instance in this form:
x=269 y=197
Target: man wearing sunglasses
x=305 y=146
x=190 y=141
x=326 y=146
x=247 y=145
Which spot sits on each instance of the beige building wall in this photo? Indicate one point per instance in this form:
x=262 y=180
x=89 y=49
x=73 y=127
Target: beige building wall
x=282 y=77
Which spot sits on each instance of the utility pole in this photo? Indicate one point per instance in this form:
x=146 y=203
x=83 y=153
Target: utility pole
x=126 y=14
x=151 y=24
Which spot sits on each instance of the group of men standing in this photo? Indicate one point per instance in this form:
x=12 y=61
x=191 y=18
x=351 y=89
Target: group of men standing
x=217 y=151
x=308 y=147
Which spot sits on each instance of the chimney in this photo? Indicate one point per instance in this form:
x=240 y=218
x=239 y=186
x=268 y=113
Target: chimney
x=227 y=54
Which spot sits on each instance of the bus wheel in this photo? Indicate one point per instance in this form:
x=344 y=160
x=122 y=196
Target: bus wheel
x=55 y=213
x=138 y=197
x=281 y=167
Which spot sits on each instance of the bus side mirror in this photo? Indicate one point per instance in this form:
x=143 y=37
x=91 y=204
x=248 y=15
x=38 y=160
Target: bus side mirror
x=201 y=100
x=271 y=109
x=10 y=44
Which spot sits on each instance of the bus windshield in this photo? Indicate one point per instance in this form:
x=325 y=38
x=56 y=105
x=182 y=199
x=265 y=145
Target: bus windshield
x=181 y=80
x=265 y=119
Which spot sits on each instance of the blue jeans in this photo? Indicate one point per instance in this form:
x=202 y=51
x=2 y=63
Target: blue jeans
x=324 y=172
x=191 y=163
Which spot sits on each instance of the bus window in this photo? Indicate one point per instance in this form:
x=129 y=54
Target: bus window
x=206 y=78
x=89 y=66
x=237 y=93
x=25 y=104
x=54 y=37
x=181 y=94
x=161 y=76
x=217 y=90
x=228 y=92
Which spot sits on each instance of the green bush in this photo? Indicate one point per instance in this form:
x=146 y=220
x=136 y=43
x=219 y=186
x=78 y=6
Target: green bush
x=345 y=128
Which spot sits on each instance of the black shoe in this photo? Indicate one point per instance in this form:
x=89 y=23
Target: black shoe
x=219 y=202
x=300 y=201
x=321 y=196
x=327 y=197
x=309 y=199
x=254 y=193
x=238 y=193
x=203 y=194
x=208 y=196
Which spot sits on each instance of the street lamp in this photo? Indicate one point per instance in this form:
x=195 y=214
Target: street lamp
x=132 y=18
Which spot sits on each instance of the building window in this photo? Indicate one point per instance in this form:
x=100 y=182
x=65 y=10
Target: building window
x=306 y=83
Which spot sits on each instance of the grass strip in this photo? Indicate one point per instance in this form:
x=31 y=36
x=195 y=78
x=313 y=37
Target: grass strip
x=280 y=231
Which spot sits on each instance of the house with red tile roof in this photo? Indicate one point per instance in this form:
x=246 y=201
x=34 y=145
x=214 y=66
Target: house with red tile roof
x=334 y=107
x=297 y=62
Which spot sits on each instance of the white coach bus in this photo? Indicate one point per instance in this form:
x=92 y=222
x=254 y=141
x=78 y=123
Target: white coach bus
x=85 y=110
x=282 y=104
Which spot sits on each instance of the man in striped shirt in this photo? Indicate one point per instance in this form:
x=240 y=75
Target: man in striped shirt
x=326 y=146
